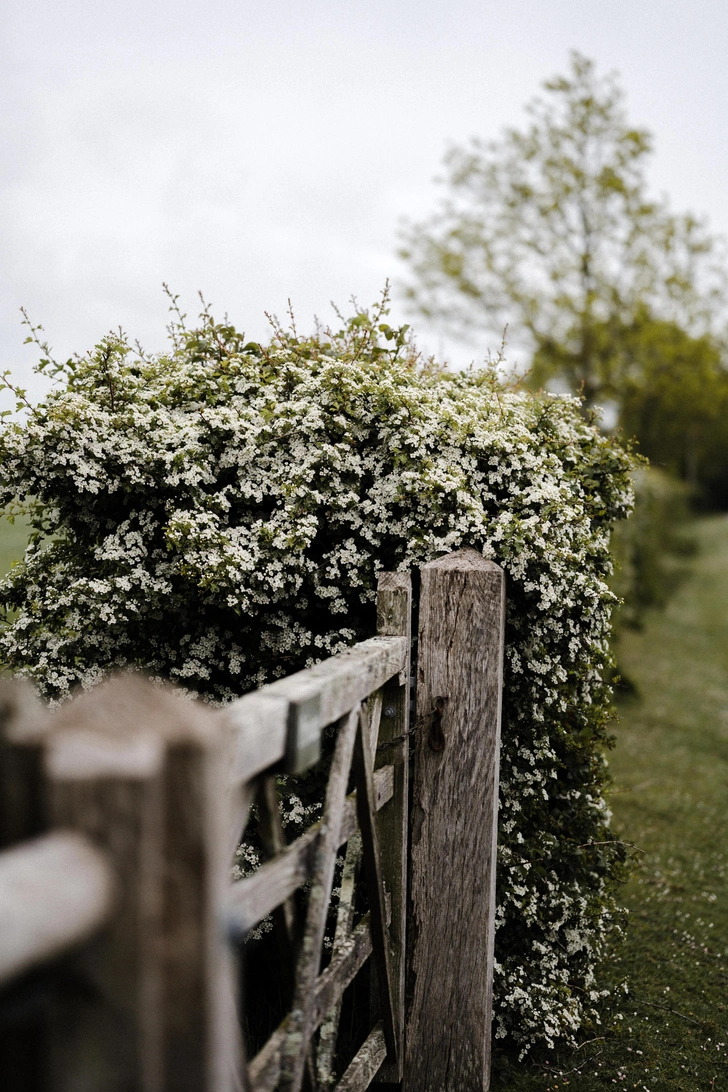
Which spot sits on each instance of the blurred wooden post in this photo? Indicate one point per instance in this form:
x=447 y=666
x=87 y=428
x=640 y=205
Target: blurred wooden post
x=23 y=806
x=143 y=775
x=23 y=815
x=106 y=782
x=202 y=1044
x=394 y=619
x=454 y=823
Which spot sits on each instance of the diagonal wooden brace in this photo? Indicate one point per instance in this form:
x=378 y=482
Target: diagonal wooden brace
x=366 y=812
x=302 y=1022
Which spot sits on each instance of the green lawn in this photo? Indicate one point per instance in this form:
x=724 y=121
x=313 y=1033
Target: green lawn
x=13 y=539
x=671 y=799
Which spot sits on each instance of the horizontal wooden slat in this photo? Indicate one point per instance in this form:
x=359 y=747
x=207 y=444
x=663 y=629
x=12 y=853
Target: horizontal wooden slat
x=345 y=680
x=265 y=1069
x=286 y=717
x=258 y=724
x=254 y=897
x=366 y=1063
x=55 y=891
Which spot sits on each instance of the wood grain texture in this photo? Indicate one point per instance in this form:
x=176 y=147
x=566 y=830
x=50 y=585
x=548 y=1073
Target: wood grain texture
x=454 y=824
x=265 y=1069
x=394 y=613
x=368 y=1059
x=373 y=708
x=156 y=787
x=366 y=813
x=285 y=719
x=394 y=619
x=324 y=693
x=344 y=920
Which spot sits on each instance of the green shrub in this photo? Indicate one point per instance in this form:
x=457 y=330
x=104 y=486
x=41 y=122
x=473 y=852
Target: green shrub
x=673 y=395
x=649 y=546
x=218 y=515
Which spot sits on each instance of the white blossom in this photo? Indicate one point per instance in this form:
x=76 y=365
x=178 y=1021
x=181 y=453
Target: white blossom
x=218 y=515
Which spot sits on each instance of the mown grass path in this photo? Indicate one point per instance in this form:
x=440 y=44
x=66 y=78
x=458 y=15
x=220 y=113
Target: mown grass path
x=670 y=765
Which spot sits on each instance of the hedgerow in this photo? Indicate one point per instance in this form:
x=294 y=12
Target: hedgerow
x=218 y=514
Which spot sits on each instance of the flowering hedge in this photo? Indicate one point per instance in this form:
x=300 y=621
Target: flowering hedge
x=218 y=515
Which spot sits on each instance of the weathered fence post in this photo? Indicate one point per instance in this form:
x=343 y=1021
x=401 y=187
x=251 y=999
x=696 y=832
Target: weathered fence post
x=394 y=619
x=454 y=823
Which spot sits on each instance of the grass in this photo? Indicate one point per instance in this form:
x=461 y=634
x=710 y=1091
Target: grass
x=13 y=540
x=670 y=798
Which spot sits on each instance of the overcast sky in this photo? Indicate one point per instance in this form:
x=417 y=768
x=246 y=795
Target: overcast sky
x=258 y=151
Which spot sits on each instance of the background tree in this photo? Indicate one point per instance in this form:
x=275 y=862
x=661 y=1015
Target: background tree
x=550 y=231
x=674 y=397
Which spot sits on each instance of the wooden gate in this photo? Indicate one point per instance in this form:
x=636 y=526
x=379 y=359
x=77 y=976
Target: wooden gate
x=119 y=815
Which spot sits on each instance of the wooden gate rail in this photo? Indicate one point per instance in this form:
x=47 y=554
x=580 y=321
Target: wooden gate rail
x=60 y=871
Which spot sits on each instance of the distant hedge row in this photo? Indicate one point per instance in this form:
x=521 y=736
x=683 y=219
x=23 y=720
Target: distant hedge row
x=218 y=514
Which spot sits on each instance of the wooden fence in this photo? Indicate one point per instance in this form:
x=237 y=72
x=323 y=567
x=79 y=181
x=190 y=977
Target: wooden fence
x=120 y=811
